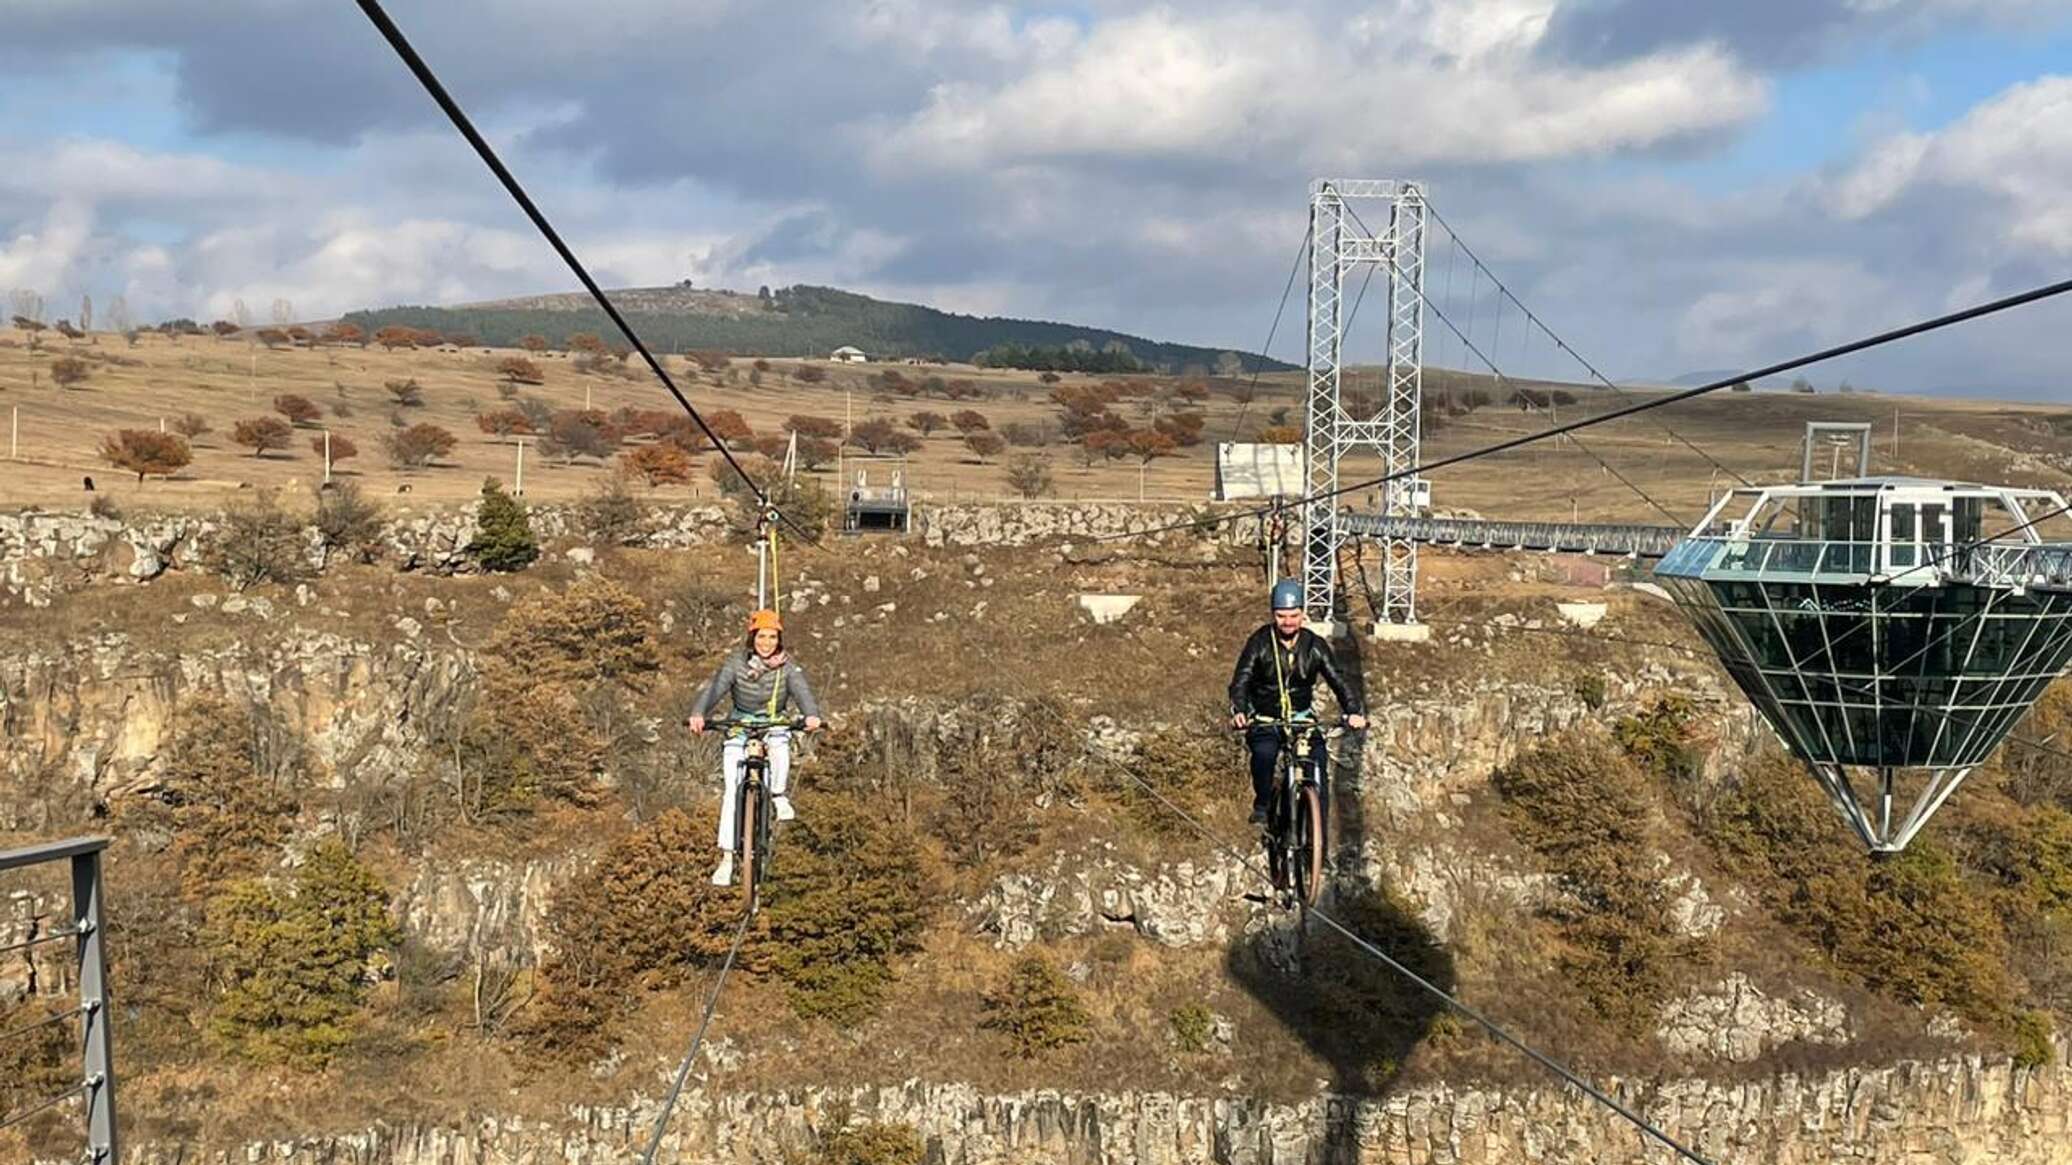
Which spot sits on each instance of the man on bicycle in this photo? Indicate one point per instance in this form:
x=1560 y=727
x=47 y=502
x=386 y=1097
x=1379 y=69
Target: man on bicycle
x=1276 y=678
x=762 y=681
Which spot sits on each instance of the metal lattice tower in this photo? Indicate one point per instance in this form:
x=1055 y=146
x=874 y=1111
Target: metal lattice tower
x=1339 y=247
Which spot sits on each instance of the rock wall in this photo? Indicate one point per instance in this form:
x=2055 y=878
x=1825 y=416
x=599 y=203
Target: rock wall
x=1959 y=1110
x=47 y=553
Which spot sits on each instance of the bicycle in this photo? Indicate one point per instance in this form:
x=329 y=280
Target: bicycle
x=1295 y=831
x=753 y=811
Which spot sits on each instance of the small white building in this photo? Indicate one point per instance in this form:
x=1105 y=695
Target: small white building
x=847 y=355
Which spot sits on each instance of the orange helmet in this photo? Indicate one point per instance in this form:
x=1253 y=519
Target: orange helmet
x=765 y=620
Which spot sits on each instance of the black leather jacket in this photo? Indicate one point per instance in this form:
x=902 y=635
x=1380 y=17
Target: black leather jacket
x=1254 y=686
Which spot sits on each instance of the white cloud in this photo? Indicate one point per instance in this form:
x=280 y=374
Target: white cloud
x=2014 y=149
x=1408 y=85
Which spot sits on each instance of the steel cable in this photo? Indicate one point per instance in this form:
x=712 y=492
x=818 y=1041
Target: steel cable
x=683 y=1070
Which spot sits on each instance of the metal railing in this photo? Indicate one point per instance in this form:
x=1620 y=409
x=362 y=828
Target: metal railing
x=96 y=1087
x=1557 y=537
x=2048 y=565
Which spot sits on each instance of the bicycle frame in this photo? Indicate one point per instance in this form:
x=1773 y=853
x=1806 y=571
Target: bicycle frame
x=1296 y=828
x=754 y=810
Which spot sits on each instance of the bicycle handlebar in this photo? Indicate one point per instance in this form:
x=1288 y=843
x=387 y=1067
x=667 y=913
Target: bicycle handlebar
x=756 y=724
x=1335 y=730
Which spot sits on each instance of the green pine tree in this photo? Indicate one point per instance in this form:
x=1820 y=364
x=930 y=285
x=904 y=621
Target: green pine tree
x=292 y=962
x=503 y=534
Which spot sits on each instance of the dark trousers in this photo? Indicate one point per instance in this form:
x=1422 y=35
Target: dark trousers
x=1266 y=749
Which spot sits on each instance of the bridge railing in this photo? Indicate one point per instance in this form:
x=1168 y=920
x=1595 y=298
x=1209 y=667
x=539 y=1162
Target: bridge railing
x=1561 y=537
x=85 y=931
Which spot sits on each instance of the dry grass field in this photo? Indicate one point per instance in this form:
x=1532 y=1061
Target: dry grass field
x=160 y=379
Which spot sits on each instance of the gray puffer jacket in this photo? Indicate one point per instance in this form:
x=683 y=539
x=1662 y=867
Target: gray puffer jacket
x=750 y=680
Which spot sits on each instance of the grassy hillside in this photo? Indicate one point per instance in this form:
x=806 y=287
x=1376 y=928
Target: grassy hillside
x=793 y=321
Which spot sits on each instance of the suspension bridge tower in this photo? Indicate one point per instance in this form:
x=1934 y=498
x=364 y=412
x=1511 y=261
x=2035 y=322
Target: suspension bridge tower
x=1341 y=244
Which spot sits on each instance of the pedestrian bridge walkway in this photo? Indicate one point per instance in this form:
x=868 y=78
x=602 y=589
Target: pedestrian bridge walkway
x=1553 y=537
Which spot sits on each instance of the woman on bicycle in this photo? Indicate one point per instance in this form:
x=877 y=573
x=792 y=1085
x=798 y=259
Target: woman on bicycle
x=762 y=682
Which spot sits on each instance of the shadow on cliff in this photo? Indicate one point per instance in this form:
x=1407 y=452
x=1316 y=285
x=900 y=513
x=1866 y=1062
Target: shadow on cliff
x=1354 y=1012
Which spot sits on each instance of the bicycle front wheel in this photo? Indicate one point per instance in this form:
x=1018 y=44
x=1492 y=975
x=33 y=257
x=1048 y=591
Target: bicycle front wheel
x=748 y=832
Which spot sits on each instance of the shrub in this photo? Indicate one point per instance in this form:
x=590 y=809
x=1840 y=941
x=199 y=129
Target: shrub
x=659 y=464
x=418 y=445
x=1036 y=1009
x=1659 y=739
x=610 y=512
x=227 y=818
x=39 y=1062
x=1023 y=435
x=146 y=451
x=1029 y=474
x=190 y=425
x=405 y=393
x=340 y=447
x=518 y=370
x=1187 y=765
x=846 y=897
x=926 y=422
x=2032 y=1046
x=260 y=543
x=809 y=374
x=504 y=422
x=69 y=370
x=969 y=421
x=1193 y=1026
x=1583 y=807
x=573 y=433
x=300 y=410
x=873 y=1144
x=821 y=427
x=529 y=739
x=261 y=434
x=984 y=446
x=292 y=965
x=595 y=631
x=1906 y=926
x=641 y=916
x=1589 y=688
x=348 y=522
x=503 y=538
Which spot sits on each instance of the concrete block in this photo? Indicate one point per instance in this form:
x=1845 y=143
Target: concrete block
x=1582 y=614
x=1403 y=632
x=1108 y=608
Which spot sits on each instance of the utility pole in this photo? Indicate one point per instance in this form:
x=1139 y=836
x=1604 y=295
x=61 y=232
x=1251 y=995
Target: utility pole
x=327 y=457
x=518 y=485
x=14 y=435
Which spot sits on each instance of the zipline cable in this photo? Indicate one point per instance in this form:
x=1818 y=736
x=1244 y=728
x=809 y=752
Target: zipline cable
x=683 y=1070
x=1600 y=377
x=1866 y=343
x=1486 y=1023
x=459 y=117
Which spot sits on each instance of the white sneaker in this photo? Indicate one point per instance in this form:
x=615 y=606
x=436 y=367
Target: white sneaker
x=784 y=809
x=723 y=875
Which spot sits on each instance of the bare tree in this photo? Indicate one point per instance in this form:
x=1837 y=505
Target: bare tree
x=26 y=303
x=119 y=315
x=86 y=314
x=283 y=313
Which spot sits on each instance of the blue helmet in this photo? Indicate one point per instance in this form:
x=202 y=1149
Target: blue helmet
x=1287 y=595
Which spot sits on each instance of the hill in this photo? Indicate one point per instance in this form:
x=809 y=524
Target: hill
x=792 y=321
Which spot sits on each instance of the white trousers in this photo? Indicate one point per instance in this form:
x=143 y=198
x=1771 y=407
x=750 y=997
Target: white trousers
x=778 y=744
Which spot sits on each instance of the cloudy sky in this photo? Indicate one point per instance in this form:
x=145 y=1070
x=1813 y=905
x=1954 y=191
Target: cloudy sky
x=1672 y=185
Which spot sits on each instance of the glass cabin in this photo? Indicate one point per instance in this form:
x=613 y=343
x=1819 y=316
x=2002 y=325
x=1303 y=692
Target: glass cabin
x=1890 y=624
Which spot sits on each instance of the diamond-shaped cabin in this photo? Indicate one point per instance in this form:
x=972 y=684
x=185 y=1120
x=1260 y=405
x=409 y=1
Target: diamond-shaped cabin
x=1891 y=629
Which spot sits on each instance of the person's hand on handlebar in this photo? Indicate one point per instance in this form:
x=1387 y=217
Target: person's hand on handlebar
x=1356 y=722
x=813 y=723
x=1239 y=720
x=696 y=724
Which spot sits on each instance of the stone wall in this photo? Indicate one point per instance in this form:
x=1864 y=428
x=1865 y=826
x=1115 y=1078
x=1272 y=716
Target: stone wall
x=1957 y=1110
x=47 y=553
